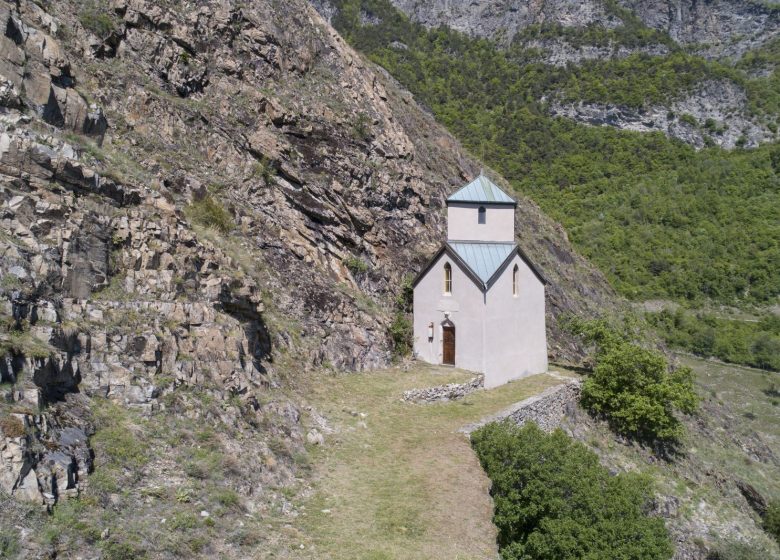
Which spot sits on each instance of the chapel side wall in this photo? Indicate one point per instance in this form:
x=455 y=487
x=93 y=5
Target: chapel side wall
x=466 y=308
x=515 y=333
x=463 y=223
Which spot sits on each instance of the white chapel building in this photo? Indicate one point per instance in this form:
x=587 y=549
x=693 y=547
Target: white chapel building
x=479 y=303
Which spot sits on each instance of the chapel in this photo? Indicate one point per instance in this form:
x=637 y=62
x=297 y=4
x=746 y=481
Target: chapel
x=479 y=304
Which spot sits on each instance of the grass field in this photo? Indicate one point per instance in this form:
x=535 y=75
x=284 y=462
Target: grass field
x=396 y=480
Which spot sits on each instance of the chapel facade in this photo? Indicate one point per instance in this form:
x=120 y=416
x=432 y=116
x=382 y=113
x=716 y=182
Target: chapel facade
x=479 y=304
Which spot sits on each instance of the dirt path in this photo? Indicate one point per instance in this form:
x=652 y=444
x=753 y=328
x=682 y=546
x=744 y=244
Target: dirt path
x=396 y=480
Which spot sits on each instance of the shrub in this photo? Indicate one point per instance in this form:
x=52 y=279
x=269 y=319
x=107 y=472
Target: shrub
x=689 y=119
x=356 y=265
x=9 y=544
x=12 y=427
x=633 y=387
x=554 y=500
x=736 y=551
x=96 y=19
x=772 y=519
x=210 y=213
x=401 y=334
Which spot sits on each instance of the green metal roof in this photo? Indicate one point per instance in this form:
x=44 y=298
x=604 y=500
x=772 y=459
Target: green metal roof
x=484 y=259
x=481 y=190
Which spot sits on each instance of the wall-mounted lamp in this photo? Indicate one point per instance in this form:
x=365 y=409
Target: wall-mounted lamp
x=430 y=331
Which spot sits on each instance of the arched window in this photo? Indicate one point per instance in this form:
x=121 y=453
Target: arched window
x=447 y=279
x=515 y=280
x=482 y=215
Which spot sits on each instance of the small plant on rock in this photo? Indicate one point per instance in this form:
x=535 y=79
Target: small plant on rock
x=210 y=213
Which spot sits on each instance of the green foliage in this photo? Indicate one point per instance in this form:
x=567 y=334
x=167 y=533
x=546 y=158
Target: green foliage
x=772 y=519
x=356 y=265
x=633 y=387
x=401 y=334
x=755 y=344
x=95 y=17
x=658 y=217
x=553 y=500
x=9 y=544
x=265 y=169
x=737 y=550
x=405 y=298
x=210 y=213
x=360 y=126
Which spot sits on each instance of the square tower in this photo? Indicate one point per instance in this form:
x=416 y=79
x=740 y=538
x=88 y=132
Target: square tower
x=481 y=211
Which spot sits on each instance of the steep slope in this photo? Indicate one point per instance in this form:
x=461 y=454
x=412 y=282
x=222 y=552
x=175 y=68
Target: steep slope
x=661 y=219
x=199 y=203
x=720 y=28
x=692 y=62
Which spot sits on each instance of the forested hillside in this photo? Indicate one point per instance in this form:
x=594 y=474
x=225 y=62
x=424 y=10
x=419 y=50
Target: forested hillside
x=660 y=217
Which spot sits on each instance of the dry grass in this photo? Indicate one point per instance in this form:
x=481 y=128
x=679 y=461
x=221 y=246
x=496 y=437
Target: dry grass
x=401 y=482
x=12 y=427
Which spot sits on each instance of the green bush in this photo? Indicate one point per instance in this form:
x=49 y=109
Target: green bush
x=401 y=334
x=210 y=213
x=732 y=550
x=553 y=500
x=633 y=387
x=772 y=519
x=96 y=18
x=9 y=544
x=356 y=265
x=754 y=344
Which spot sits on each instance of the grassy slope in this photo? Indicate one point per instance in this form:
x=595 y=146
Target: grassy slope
x=406 y=485
x=396 y=480
x=736 y=436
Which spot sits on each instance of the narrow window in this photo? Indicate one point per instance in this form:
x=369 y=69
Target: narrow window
x=447 y=279
x=514 y=281
x=481 y=215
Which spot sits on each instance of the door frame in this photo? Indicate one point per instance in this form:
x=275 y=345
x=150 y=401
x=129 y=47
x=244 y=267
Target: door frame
x=448 y=326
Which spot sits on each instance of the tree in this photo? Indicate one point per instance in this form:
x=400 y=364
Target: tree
x=634 y=388
x=554 y=501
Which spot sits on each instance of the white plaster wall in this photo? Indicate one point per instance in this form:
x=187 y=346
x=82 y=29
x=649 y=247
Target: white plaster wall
x=515 y=334
x=463 y=223
x=466 y=311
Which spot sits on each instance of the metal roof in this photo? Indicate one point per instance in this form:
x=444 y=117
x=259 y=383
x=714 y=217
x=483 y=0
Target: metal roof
x=481 y=189
x=484 y=259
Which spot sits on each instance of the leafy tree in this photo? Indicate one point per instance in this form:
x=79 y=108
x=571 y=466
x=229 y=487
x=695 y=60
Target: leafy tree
x=553 y=500
x=634 y=388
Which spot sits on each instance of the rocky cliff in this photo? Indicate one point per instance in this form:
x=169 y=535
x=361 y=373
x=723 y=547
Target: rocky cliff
x=720 y=28
x=200 y=202
x=579 y=32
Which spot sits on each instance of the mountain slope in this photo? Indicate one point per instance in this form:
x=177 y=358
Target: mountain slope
x=661 y=219
x=200 y=203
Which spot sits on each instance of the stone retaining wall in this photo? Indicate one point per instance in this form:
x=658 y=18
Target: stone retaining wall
x=449 y=392
x=547 y=408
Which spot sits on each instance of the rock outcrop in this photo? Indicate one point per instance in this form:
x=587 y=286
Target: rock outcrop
x=184 y=193
x=720 y=28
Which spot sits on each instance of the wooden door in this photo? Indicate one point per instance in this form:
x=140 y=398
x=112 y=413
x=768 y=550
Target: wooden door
x=448 y=340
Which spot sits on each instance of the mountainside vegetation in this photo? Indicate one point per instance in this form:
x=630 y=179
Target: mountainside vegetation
x=553 y=500
x=660 y=218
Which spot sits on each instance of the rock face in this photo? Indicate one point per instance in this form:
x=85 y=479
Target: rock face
x=719 y=28
x=713 y=114
x=197 y=222
x=724 y=29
